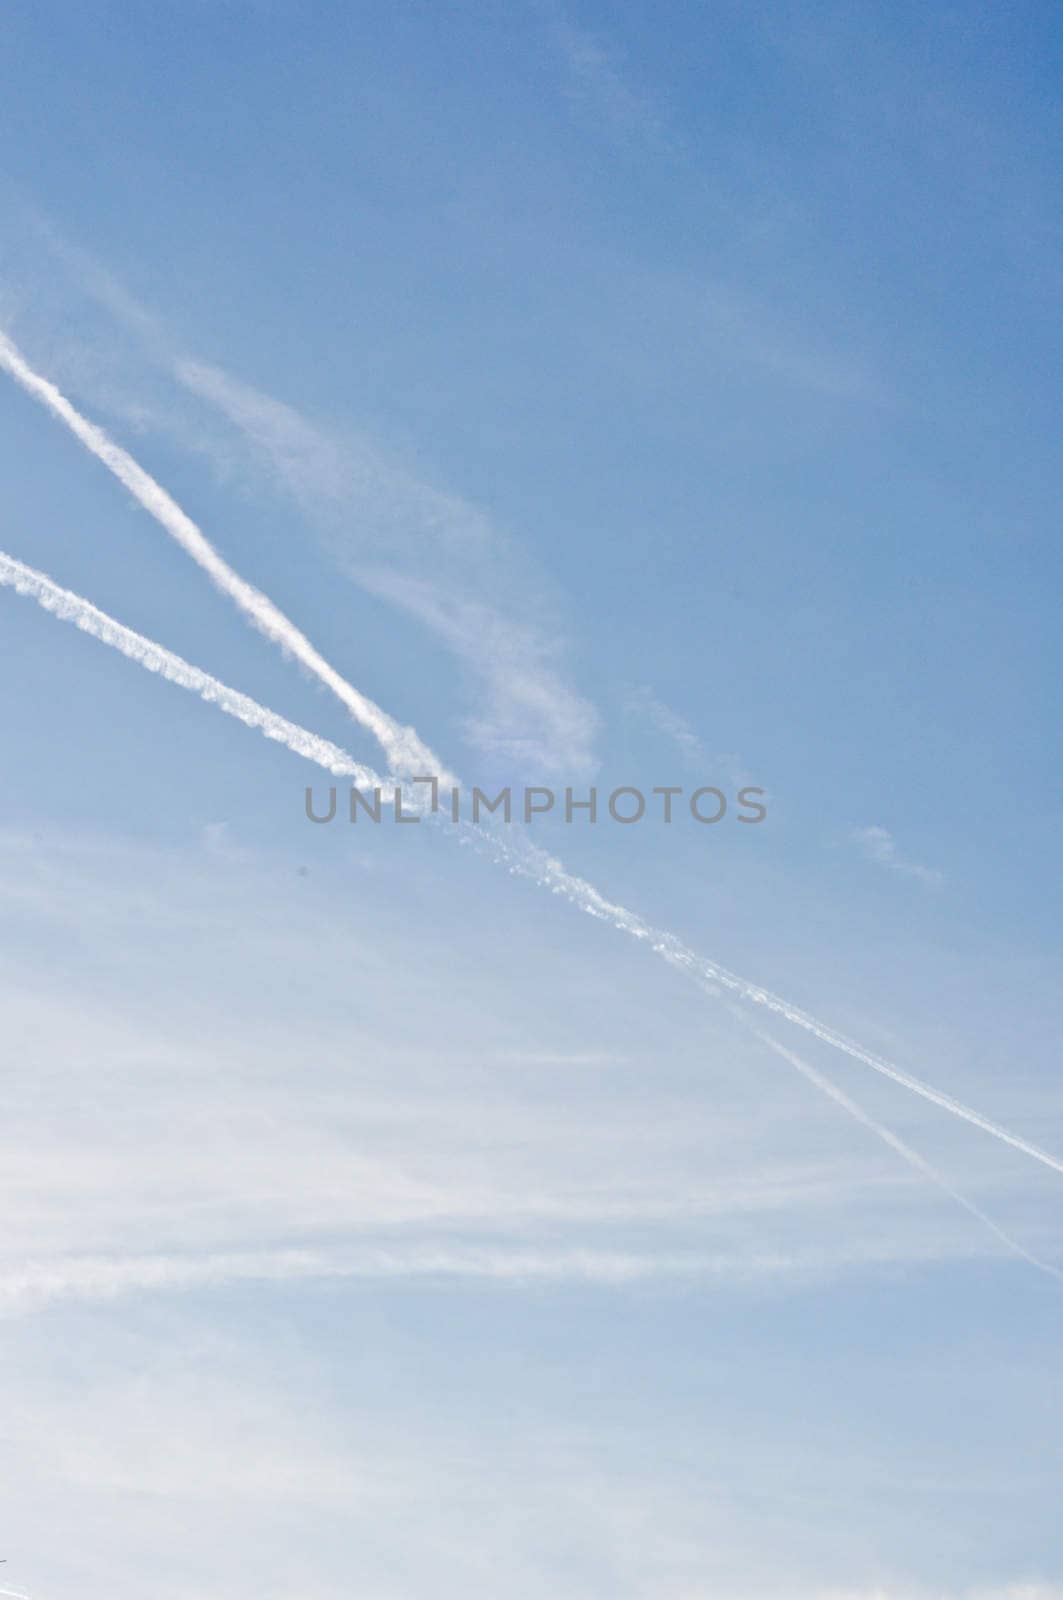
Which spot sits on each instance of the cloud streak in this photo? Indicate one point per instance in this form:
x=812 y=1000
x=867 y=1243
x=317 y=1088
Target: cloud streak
x=879 y=845
x=432 y=555
x=404 y=750
x=32 y=1284
x=905 y=1151
x=70 y=607
x=401 y=745
x=643 y=703
x=535 y=863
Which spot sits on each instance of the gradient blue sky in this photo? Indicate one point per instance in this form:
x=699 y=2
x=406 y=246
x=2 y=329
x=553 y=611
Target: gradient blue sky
x=618 y=395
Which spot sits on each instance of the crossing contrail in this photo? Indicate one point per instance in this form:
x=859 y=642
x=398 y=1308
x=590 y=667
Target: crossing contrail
x=407 y=755
x=905 y=1151
x=529 y=861
x=70 y=607
x=405 y=752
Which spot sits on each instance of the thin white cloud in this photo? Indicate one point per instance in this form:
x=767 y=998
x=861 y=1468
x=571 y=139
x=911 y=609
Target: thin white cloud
x=31 y=1285
x=401 y=744
x=527 y=719
x=644 y=703
x=521 y=856
x=70 y=607
x=28 y=1285
x=264 y=1471
x=404 y=750
x=150 y=1154
x=905 y=1151
x=879 y=845
x=434 y=556
x=548 y=873
x=430 y=552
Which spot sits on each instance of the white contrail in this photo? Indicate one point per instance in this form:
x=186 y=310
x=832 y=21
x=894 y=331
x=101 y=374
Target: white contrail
x=405 y=751
x=529 y=861
x=905 y=1151
x=31 y=1284
x=407 y=754
x=70 y=607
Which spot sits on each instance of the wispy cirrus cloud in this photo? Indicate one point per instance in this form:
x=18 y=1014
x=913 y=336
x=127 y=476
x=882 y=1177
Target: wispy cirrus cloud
x=398 y=742
x=879 y=845
x=427 y=551
x=405 y=751
x=268 y=1152
x=70 y=607
x=30 y=1285
x=434 y=556
x=643 y=703
x=526 y=859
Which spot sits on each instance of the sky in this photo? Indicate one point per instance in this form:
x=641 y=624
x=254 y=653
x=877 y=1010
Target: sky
x=615 y=396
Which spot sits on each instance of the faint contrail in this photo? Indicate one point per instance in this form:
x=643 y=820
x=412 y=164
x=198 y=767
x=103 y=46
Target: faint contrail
x=71 y=607
x=405 y=751
x=407 y=754
x=530 y=861
x=104 y=1277
x=905 y=1151
x=535 y=863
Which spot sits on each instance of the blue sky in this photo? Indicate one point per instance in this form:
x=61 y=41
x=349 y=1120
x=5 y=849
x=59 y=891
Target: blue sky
x=615 y=395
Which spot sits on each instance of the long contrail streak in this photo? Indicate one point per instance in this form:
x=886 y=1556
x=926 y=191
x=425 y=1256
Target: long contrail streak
x=405 y=751
x=532 y=862
x=70 y=607
x=905 y=1151
x=406 y=754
